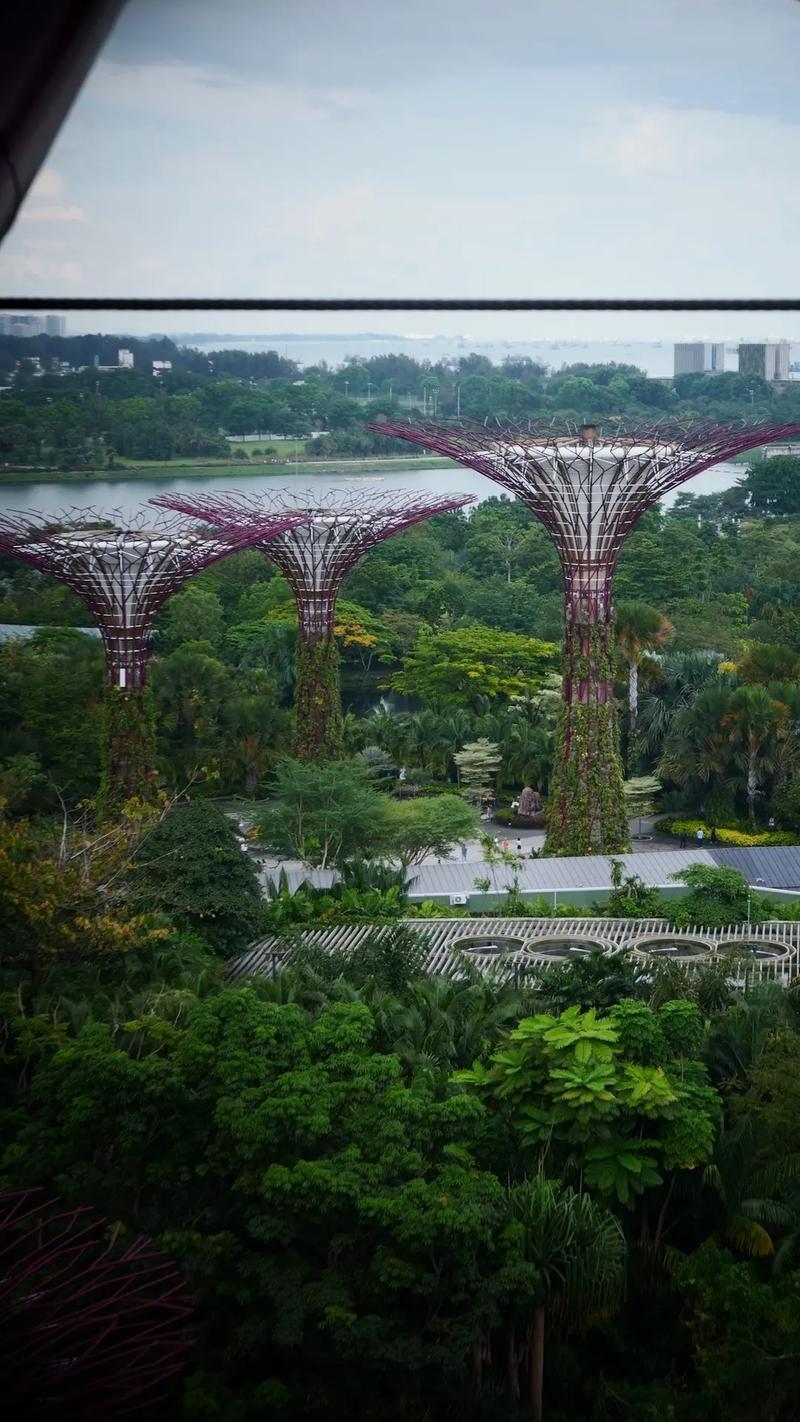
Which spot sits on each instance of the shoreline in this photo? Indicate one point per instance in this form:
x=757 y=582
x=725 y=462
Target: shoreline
x=212 y=471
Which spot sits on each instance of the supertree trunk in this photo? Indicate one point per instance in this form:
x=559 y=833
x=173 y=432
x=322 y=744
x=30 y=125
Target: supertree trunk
x=127 y=750
x=318 y=725
x=586 y=807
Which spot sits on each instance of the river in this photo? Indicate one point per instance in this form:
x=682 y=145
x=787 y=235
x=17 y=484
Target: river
x=128 y=496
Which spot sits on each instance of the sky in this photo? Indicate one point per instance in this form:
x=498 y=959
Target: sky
x=618 y=148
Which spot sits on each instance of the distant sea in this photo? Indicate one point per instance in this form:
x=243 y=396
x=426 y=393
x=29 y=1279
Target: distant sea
x=655 y=358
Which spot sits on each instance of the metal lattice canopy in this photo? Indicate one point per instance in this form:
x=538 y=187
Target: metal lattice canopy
x=588 y=487
x=315 y=555
x=122 y=568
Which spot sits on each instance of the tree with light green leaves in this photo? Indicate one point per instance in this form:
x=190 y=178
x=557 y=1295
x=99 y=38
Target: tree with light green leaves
x=478 y=764
x=326 y=812
x=608 y=1103
x=423 y=826
x=459 y=667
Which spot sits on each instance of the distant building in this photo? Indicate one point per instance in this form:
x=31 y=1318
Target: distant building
x=769 y=360
x=159 y=366
x=14 y=323
x=700 y=358
x=125 y=359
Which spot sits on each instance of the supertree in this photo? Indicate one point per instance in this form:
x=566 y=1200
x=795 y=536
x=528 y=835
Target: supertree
x=588 y=488
x=90 y=1327
x=315 y=556
x=123 y=569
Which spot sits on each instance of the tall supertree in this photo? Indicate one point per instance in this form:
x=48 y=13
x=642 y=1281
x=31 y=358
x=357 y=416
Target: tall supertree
x=123 y=569
x=338 y=529
x=588 y=488
x=90 y=1328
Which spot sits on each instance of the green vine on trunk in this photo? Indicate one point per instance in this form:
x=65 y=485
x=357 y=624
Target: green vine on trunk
x=319 y=729
x=127 y=751
x=586 y=809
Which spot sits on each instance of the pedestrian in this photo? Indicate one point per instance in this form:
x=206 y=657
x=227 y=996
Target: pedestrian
x=700 y=836
x=506 y=845
x=771 y=823
x=683 y=840
x=713 y=836
x=518 y=848
x=464 y=852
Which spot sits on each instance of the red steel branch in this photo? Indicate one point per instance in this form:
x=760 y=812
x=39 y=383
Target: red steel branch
x=123 y=569
x=329 y=535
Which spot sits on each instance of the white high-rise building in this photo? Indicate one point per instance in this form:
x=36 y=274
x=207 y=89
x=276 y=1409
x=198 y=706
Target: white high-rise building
x=699 y=358
x=769 y=360
x=125 y=359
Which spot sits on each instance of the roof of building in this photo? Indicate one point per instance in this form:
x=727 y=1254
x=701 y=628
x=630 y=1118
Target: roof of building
x=507 y=946
x=776 y=868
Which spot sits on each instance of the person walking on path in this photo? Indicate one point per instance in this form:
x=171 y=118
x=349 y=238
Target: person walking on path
x=518 y=848
x=700 y=836
x=712 y=839
x=464 y=852
x=683 y=840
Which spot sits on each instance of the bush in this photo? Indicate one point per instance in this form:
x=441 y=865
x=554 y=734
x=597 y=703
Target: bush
x=191 y=868
x=512 y=820
x=725 y=835
x=435 y=787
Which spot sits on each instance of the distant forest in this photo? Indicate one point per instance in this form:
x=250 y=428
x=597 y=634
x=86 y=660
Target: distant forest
x=91 y=417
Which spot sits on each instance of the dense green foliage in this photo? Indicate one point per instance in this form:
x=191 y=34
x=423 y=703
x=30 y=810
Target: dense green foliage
x=192 y=868
x=90 y=417
x=394 y=1195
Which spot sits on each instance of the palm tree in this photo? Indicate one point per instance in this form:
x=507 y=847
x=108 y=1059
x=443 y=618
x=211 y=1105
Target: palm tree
x=683 y=675
x=639 y=629
x=758 y=726
x=698 y=746
x=577 y=1257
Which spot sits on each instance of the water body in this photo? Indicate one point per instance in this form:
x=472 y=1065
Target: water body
x=653 y=357
x=129 y=496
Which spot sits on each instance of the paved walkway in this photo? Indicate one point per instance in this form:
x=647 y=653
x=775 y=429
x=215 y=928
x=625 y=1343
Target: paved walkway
x=648 y=842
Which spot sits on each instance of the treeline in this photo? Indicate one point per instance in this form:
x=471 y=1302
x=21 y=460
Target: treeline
x=88 y=418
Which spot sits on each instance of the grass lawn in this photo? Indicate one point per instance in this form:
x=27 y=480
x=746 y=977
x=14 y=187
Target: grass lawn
x=210 y=469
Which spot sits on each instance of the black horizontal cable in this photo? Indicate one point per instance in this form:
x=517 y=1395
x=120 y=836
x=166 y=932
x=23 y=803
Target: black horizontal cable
x=189 y=303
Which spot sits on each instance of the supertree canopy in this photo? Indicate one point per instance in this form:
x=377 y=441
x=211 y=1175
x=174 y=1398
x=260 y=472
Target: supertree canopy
x=89 y=1329
x=588 y=488
x=123 y=569
x=314 y=557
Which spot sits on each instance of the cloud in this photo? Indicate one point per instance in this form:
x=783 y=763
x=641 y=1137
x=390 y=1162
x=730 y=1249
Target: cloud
x=26 y=269
x=205 y=95
x=655 y=141
x=48 y=184
x=53 y=212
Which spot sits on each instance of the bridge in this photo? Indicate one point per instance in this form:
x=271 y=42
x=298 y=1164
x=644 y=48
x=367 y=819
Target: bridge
x=512 y=947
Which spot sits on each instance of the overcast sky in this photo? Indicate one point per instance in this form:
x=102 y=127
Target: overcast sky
x=434 y=147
